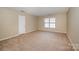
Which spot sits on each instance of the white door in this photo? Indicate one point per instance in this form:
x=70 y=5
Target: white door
x=21 y=24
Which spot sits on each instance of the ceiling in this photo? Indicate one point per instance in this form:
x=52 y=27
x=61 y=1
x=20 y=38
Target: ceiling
x=42 y=11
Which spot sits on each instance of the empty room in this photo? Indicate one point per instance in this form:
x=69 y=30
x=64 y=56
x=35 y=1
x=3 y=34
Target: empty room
x=39 y=29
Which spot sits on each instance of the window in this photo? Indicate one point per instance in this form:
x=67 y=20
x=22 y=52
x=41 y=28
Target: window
x=49 y=23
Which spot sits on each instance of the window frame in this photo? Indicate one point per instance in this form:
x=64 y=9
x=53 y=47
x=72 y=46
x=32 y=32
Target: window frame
x=49 y=23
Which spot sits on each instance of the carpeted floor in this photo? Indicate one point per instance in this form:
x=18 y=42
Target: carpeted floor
x=37 y=41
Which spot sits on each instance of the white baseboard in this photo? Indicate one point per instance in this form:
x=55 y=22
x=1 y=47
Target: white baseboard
x=9 y=37
x=52 y=31
x=72 y=43
x=15 y=36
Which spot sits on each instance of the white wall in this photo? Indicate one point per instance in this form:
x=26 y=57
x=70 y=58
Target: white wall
x=61 y=22
x=73 y=26
x=9 y=22
x=31 y=23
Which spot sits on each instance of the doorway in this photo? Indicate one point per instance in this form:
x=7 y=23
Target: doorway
x=21 y=24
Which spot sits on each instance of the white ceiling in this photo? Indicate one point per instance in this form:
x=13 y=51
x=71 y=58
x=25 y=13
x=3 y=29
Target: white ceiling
x=42 y=11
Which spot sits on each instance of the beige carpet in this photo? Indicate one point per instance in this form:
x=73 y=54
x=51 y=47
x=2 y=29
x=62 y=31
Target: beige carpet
x=37 y=41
